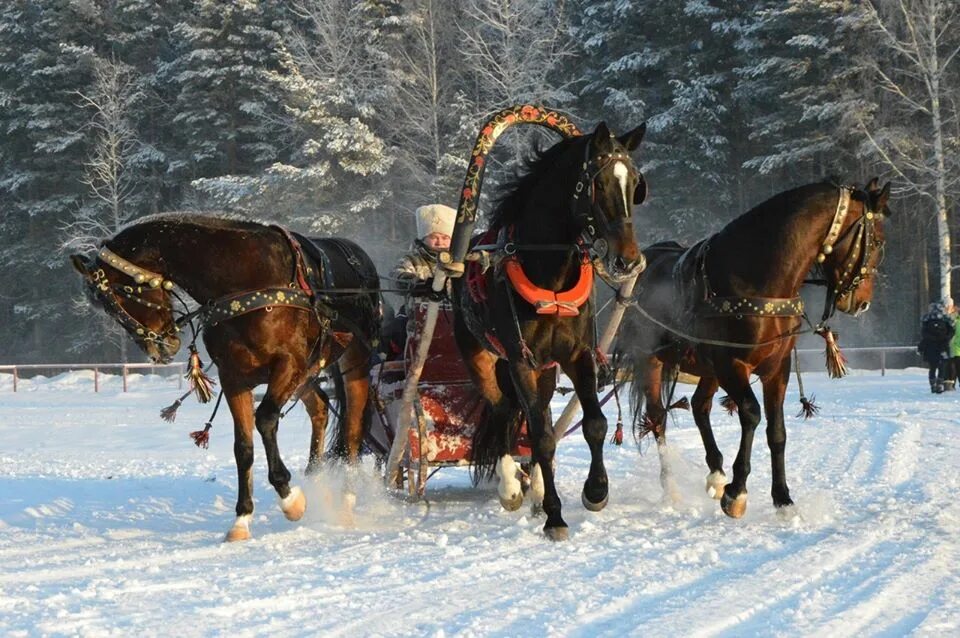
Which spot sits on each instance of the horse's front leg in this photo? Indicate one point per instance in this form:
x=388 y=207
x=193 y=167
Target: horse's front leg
x=582 y=371
x=285 y=376
x=526 y=381
x=735 y=379
x=701 y=405
x=774 y=389
x=240 y=402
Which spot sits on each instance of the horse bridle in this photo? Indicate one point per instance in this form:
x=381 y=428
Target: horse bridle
x=593 y=223
x=108 y=291
x=855 y=268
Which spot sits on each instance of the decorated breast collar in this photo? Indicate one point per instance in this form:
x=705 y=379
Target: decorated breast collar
x=565 y=303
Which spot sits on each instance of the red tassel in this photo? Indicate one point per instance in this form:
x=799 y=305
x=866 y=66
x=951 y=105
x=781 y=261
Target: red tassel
x=808 y=408
x=169 y=413
x=617 y=438
x=201 y=438
x=200 y=383
x=728 y=404
x=680 y=404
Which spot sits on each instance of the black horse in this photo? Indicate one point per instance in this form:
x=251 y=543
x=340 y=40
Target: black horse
x=570 y=213
x=728 y=307
x=270 y=314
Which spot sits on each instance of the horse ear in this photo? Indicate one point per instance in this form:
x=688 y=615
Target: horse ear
x=79 y=263
x=631 y=141
x=600 y=135
x=873 y=185
x=882 y=199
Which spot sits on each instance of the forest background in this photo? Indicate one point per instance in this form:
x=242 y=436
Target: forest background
x=342 y=116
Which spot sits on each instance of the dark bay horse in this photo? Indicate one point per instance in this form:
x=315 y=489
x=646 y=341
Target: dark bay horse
x=269 y=312
x=569 y=214
x=728 y=308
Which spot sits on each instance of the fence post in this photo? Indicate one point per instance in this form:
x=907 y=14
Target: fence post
x=179 y=378
x=883 y=363
x=96 y=379
x=124 y=377
x=14 y=378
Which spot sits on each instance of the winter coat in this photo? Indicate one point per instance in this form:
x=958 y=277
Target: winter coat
x=955 y=341
x=416 y=267
x=936 y=331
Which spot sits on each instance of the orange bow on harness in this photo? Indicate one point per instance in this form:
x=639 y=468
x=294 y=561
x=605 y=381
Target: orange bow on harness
x=548 y=302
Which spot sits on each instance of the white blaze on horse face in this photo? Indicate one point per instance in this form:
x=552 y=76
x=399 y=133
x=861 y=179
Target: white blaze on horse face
x=622 y=173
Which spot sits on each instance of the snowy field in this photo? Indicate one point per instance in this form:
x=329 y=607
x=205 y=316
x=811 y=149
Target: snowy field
x=111 y=523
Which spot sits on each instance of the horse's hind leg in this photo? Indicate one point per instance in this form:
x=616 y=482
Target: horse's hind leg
x=319 y=414
x=284 y=380
x=774 y=389
x=355 y=367
x=583 y=373
x=736 y=381
x=701 y=404
x=655 y=421
x=240 y=403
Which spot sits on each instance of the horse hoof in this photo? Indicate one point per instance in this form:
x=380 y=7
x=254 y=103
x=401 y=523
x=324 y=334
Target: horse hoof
x=788 y=513
x=593 y=507
x=240 y=530
x=294 y=505
x=512 y=503
x=557 y=533
x=734 y=507
x=715 y=484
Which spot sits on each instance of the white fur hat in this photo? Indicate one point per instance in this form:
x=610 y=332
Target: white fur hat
x=435 y=218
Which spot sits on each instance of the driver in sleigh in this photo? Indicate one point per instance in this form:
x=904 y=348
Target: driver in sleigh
x=414 y=271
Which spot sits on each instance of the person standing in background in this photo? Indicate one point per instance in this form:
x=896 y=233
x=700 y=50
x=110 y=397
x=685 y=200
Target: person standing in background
x=937 y=328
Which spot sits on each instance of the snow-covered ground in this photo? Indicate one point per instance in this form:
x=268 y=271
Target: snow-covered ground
x=111 y=523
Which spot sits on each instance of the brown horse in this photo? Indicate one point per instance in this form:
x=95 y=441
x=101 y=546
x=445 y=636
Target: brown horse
x=570 y=214
x=270 y=312
x=728 y=307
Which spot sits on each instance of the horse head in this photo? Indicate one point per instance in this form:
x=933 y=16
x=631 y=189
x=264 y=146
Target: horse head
x=136 y=298
x=855 y=257
x=613 y=187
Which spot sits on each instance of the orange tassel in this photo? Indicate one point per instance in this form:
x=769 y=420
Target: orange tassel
x=200 y=383
x=836 y=362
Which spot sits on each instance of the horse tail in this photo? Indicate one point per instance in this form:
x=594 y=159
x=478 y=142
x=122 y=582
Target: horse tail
x=498 y=430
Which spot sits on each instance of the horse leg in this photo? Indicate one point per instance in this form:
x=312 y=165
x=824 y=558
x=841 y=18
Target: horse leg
x=546 y=387
x=490 y=444
x=701 y=405
x=355 y=367
x=736 y=381
x=655 y=421
x=240 y=402
x=319 y=414
x=526 y=381
x=583 y=373
x=284 y=379
x=774 y=389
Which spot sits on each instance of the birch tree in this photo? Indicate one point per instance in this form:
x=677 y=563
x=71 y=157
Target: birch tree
x=109 y=178
x=919 y=141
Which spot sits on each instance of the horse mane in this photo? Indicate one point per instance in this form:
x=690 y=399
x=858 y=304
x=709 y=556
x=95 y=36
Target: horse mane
x=507 y=209
x=213 y=220
x=783 y=204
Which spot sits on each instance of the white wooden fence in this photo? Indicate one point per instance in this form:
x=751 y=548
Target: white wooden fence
x=125 y=368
